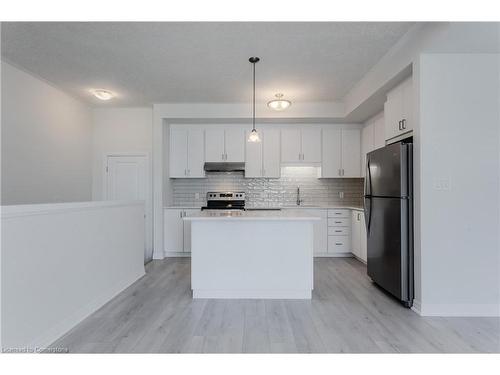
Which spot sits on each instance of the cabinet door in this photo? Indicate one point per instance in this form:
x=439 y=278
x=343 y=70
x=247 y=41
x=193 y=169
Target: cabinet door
x=393 y=113
x=178 y=153
x=235 y=145
x=187 y=230
x=311 y=145
x=320 y=231
x=355 y=234
x=366 y=145
x=271 y=153
x=196 y=153
x=351 y=153
x=253 y=159
x=363 y=238
x=331 y=153
x=214 y=145
x=379 y=133
x=290 y=146
x=407 y=109
x=173 y=230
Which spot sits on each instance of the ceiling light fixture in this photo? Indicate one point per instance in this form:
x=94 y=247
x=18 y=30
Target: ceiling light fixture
x=254 y=135
x=279 y=104
x=103 y=94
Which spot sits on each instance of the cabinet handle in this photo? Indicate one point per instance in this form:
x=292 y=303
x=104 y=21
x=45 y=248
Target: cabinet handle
x=338 y=222
x=359 y=218
x=180 y=214
x=338 y=243
x=343 y=173
x=340 y=174
x=338 y=231
x=399 y=126
x=403 y=123
x=189 y=172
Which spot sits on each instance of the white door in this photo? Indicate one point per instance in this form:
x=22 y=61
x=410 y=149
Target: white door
x=214 y=145
x=351 y=153
x=407 y=110
x=173 y=231
x=196 y=153
x=355 y=234
x=187 y=230
x=332 y=153
x=235 y=145
x=379 y=133
x=392 y=113
x=271 y=153
x=290 y=146
x=127 y=178
x=311 y=145
x=253 y=159
x=366 y=145
x=363 y=238
x=178 y=153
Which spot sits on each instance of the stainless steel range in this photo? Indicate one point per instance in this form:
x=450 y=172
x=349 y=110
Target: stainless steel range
x=227 y=200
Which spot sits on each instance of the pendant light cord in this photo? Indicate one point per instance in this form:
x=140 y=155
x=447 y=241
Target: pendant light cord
x=253 y=117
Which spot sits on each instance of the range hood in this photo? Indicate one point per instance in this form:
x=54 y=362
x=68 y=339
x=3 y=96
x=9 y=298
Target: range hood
x=224 y=167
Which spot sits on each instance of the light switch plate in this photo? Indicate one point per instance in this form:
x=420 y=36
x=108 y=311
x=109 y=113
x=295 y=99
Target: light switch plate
x=196 y=196
x=341 y=194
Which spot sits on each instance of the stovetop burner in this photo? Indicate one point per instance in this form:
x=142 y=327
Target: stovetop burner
x=227 y=200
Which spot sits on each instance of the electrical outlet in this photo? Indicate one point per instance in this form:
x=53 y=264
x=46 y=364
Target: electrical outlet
x=197 y=196
x=442 y=184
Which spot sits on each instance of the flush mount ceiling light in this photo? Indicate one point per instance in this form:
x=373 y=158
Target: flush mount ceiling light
x=279 y=104
x=103 y=94
x=254 y=135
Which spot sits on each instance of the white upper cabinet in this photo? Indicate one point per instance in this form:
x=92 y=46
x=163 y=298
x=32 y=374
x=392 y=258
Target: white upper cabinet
x=223 y=145
x=253 y=159
x=332 y=153
x=341 y=151
x=301 y=145
x=262 y=159
x=196 y=153
x=398 y=110
x=186 y=153
x=311 y=145
x=379 y=132
x=235 y=145
x=214 y=145
x=291 y=146
x=271 y=154
x=351 y=153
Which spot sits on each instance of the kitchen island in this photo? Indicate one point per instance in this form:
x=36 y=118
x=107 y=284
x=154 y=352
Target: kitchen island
x=251 y=254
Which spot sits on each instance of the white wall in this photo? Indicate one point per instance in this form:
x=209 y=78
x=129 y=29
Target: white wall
x=460 y=123
x=46 y=138
x=61 y=262
x=118 y=130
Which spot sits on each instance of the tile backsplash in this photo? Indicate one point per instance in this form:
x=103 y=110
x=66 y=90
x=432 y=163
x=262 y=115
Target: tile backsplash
x=262 y=192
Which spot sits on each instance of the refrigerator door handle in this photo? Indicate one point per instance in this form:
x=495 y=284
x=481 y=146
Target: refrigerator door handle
x=368 y=213
x=368 y=182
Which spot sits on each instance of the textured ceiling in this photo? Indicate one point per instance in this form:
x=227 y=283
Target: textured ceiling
x=147 y=63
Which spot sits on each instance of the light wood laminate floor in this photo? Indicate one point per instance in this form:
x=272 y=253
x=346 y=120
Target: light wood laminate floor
x=347 y=314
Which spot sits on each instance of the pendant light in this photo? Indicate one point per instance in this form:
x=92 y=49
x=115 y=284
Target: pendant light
x=279 y=104
x=254 y=135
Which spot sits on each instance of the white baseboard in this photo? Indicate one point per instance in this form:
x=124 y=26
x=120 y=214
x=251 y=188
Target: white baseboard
x=176 y=254
x=417 y=307
x=57 y=331
x=460 y=310
x=330 y=255
x=253 y=294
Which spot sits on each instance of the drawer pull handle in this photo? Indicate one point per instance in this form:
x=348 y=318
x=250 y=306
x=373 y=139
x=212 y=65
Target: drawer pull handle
x=338 y=231
x=338 y=243
x=338 y=222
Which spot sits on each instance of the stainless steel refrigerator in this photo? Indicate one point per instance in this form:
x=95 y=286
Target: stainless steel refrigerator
x=389 y=219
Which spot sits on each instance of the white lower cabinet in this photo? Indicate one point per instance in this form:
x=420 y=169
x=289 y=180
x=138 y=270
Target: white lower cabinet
x=339 y=232
x=177 y=232
x=358 y=230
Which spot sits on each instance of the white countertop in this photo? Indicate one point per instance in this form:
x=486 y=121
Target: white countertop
x=304 y=207
x=283 y=215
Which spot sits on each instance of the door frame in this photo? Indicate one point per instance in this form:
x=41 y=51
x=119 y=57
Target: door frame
x=148 y=250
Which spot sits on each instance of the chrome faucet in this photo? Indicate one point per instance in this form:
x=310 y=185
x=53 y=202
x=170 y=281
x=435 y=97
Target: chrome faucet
x=299 y=201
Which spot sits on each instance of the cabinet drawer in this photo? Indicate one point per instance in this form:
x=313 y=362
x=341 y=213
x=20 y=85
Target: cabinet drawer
x=338 y=213
x=339 y=231
x=339 y=222
x=339 y=244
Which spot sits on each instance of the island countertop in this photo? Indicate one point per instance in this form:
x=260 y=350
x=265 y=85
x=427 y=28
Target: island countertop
x=283 y=215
